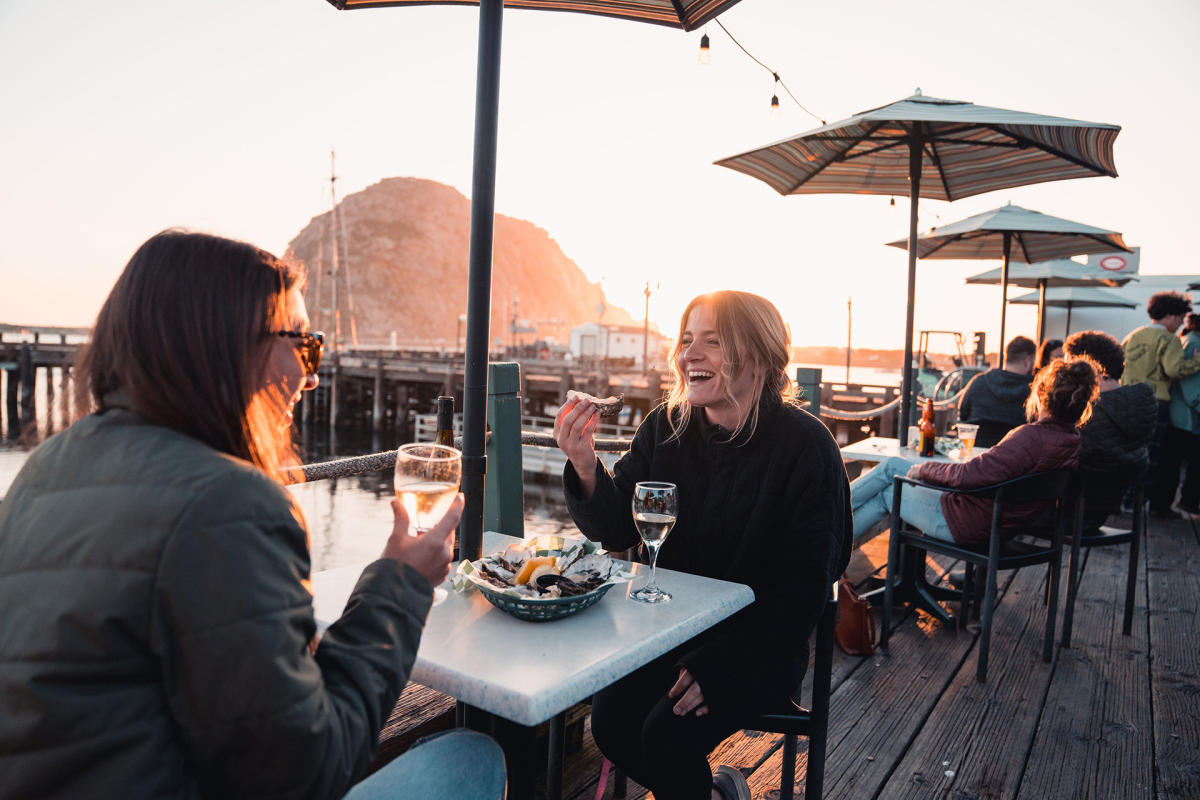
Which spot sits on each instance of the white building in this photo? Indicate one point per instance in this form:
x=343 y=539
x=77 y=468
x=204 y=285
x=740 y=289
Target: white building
x=596 y=341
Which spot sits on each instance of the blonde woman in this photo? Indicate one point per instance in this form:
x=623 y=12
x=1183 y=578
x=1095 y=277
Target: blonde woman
x=763 y=500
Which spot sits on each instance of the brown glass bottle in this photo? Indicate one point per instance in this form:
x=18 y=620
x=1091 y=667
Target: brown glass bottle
x=928 y=431
x=445 y=421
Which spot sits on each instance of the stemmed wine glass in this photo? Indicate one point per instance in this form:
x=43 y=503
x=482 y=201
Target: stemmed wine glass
x=655 y=506
x=427 y=477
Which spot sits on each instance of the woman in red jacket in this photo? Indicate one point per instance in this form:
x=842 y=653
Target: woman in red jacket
x=1059 y=402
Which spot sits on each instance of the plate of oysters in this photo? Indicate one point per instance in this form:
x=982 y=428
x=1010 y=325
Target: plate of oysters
x=544 y=577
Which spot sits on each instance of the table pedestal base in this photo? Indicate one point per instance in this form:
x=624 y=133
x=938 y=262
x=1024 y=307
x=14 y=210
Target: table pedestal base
x=913 y=589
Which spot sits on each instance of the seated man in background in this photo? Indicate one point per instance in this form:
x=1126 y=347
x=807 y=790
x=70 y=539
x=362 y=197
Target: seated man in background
x=1114 y=446
x=995 y=400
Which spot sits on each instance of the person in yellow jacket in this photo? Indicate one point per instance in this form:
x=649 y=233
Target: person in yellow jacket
x=1154 y=355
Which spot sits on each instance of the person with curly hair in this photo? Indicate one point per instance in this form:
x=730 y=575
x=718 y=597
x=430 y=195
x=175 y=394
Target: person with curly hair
x=1115 y=441
x=1154 y=355
x=1060 y=400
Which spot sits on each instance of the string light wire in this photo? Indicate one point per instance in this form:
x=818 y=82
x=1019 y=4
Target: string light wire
x=775 y=74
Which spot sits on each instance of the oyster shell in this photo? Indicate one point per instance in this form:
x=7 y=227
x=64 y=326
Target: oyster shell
x=608 y=406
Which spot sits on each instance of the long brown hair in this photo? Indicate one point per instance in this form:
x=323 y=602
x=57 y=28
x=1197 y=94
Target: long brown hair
x=751 y=334
x=183 y=337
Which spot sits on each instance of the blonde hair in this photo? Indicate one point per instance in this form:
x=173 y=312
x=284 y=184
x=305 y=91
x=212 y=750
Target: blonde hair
x=751 y=335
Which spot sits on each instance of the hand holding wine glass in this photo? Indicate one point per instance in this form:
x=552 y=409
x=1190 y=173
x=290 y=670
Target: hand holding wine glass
x=655 y=506
x=427 y=477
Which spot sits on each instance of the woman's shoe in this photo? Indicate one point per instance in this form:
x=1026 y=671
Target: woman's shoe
x=731 y=784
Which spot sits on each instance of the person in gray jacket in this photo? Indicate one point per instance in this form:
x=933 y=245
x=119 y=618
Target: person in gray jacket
x=158 y=636
x=995 y=400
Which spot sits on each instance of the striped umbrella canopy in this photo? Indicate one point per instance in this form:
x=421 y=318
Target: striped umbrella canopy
x=1074 y=297
x=685 y=14
x=927 y=147
x=1057 y=273
x=995 y=234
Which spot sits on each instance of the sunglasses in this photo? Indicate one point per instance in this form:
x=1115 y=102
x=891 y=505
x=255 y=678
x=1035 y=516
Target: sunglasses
x=310 y=345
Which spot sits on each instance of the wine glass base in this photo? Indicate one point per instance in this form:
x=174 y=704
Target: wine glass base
x=650 y=594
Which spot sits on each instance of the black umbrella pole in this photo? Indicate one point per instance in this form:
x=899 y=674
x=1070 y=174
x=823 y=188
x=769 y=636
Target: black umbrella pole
x=914 y=194
x=483 y=209
x=1004 y=292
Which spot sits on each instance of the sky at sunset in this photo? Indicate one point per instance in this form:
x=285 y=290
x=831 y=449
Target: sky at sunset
x=123 y=118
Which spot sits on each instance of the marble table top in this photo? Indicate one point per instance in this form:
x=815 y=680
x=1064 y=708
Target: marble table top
x=529 y=671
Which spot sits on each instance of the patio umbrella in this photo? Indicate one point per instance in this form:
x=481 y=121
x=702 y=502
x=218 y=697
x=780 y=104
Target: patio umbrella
x=685 y=14
x=1058 y=273
x=995 y=234
x=926 y=147
x=1070 y=297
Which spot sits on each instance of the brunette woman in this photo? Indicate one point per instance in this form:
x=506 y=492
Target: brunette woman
x=158 y=627
x=763 y=500
x=1060 y=400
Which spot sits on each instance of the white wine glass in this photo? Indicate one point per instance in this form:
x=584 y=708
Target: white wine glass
x=655 y=507
x=426 y=483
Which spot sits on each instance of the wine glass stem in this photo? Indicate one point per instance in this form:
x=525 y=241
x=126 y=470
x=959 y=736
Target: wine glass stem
x=653 y=569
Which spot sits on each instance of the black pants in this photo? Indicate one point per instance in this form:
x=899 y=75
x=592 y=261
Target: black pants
x=1180 y=448
x=635 y=728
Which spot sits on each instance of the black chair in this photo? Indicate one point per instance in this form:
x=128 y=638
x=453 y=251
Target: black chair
x=1058 y=488
x=793 y=720
x=1103 y=491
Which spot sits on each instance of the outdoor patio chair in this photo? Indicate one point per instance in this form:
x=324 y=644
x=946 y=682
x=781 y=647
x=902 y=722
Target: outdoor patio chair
x=793 y=720
x=790 y=719
x=1106 y=489
x=1060 y=488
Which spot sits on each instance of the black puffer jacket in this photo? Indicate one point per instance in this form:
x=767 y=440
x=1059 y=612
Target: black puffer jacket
x=1115 y=447
x=995 y=401
x=772 y=512
x=156 y=629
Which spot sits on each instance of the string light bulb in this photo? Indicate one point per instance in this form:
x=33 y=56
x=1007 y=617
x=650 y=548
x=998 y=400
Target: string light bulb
x=775 y=112
x=704 y=48
x=893 y=202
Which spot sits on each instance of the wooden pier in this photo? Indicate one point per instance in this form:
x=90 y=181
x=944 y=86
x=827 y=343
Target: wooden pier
x=1110 y=717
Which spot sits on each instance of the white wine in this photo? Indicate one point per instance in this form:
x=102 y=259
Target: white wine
x=653 y=527
x=426 y=501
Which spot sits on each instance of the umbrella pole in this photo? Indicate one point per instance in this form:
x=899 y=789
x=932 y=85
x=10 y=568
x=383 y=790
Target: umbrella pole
x=1041 y=328
x=1068 y=330
x=483 y=209
x=915 y=146
x=1004 y=292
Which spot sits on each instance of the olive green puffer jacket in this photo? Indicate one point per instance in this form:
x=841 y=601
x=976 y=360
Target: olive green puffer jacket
x=1154 y=355
x=157 y=622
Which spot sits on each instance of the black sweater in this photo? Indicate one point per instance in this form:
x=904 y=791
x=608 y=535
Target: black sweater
x=770 y=510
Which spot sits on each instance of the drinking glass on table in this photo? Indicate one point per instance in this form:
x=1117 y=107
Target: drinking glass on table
x=427 y=477
x=655 y=506
x=966 y=437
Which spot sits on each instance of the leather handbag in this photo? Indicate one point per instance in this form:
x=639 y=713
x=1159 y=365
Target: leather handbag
x=855 y=632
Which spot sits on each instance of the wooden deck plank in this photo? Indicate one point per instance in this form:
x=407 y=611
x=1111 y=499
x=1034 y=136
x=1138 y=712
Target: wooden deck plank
x=1097 y=712
x=1173 y=597
x=975 y=741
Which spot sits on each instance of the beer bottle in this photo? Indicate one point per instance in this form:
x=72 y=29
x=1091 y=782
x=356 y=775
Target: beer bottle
x=927 y=429
x=445 y=421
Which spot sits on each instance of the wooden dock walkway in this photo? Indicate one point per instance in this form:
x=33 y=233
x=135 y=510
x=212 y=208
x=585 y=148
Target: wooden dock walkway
x=1112 y=717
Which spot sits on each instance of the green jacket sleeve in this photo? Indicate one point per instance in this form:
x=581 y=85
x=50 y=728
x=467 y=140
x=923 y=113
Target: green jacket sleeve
x=1174 y=363
x=262 y=715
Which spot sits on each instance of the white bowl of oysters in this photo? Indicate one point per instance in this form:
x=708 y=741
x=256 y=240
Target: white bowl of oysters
x=543 y=578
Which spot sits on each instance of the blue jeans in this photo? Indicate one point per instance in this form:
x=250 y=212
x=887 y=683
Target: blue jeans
x=446 y=766
x=871 y=497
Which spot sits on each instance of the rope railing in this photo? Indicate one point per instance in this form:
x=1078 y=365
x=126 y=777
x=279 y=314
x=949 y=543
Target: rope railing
x=378 y=462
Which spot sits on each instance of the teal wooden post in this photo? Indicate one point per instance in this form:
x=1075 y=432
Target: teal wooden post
x=809 y=381
x=503 y=492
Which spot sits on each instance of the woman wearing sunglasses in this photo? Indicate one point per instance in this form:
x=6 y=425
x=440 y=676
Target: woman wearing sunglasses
x=158 y=635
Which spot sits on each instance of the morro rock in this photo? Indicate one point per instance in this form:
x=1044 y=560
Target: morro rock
x=403 y=269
